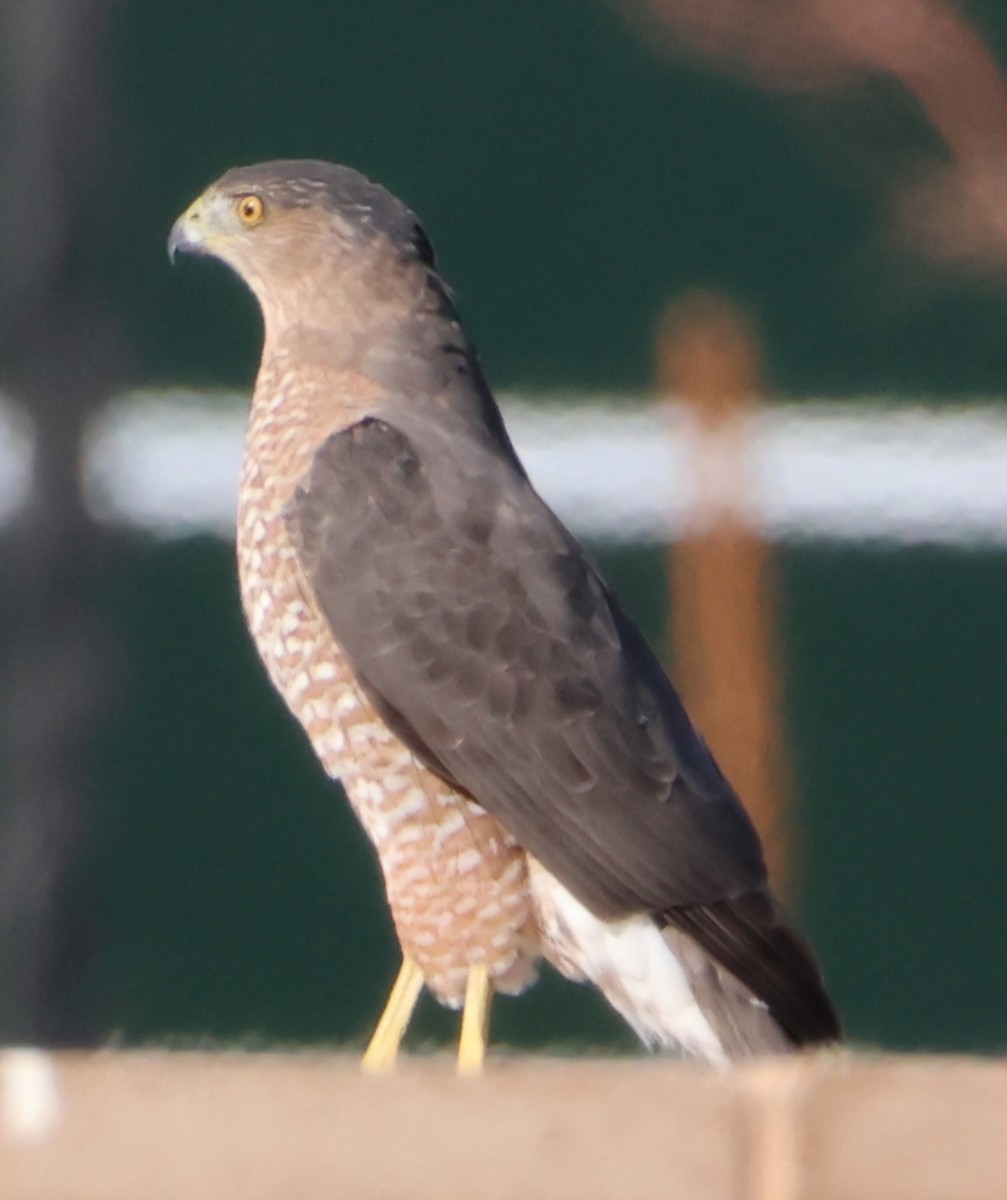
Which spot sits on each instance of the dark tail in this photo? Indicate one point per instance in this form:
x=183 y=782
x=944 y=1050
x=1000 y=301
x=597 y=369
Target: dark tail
x=759 y=969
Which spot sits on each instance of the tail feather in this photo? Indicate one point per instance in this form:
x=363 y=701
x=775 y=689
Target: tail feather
x=753 y=950
x=721 y=982
x=743 y=1024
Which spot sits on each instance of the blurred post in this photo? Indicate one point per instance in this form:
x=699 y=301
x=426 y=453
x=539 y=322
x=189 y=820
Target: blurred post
x=722 y=578
x=58 y=350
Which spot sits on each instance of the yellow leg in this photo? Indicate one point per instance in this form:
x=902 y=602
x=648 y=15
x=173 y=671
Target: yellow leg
x=475 y=1022
x=379 y=1057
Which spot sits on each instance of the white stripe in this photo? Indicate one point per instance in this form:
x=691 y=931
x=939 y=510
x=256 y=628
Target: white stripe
x=15 y=460
x=169 y=462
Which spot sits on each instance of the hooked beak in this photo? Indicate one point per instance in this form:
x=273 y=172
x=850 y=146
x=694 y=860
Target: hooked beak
x=188 y=235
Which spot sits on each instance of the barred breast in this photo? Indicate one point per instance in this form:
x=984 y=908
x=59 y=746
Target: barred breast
x=456 y=881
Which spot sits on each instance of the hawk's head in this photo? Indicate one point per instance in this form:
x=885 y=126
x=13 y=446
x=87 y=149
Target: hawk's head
x=281 y=225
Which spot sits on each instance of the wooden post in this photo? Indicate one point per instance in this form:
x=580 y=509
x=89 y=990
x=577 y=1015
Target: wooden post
x=722 y=577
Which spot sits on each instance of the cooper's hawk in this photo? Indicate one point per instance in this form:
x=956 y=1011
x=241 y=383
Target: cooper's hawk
x=525 y=770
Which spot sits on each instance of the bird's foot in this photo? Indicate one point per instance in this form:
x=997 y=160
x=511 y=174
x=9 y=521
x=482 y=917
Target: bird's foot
x=383 y=1050
x=475 y=1022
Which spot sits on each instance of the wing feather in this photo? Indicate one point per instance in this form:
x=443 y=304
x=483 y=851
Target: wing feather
x=490 y=645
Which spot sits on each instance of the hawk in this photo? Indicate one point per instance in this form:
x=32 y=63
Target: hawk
x=526 y=772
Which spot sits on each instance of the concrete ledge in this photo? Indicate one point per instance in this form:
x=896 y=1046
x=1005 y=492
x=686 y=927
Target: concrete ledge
x=195 y=1126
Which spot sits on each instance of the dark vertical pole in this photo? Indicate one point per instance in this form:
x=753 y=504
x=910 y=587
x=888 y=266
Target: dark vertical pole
x=57 y=353
x=722 y=577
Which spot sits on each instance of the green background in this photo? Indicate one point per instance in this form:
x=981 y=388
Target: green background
x=570 y=178
x=233 y=895
x=572 y=181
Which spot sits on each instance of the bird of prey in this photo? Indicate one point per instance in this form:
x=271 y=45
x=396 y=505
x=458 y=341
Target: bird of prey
x=527 y=774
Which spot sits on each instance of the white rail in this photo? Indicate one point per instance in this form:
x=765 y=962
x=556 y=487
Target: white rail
x=168 y=462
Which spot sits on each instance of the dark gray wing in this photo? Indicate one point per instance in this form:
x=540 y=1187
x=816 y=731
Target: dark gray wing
x=482 y=633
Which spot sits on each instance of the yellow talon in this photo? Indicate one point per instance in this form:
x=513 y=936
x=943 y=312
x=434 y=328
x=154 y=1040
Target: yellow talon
x=475 y=1022
x=380 y=1055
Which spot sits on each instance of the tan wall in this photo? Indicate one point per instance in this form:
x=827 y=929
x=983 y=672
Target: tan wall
x=188 y=1126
